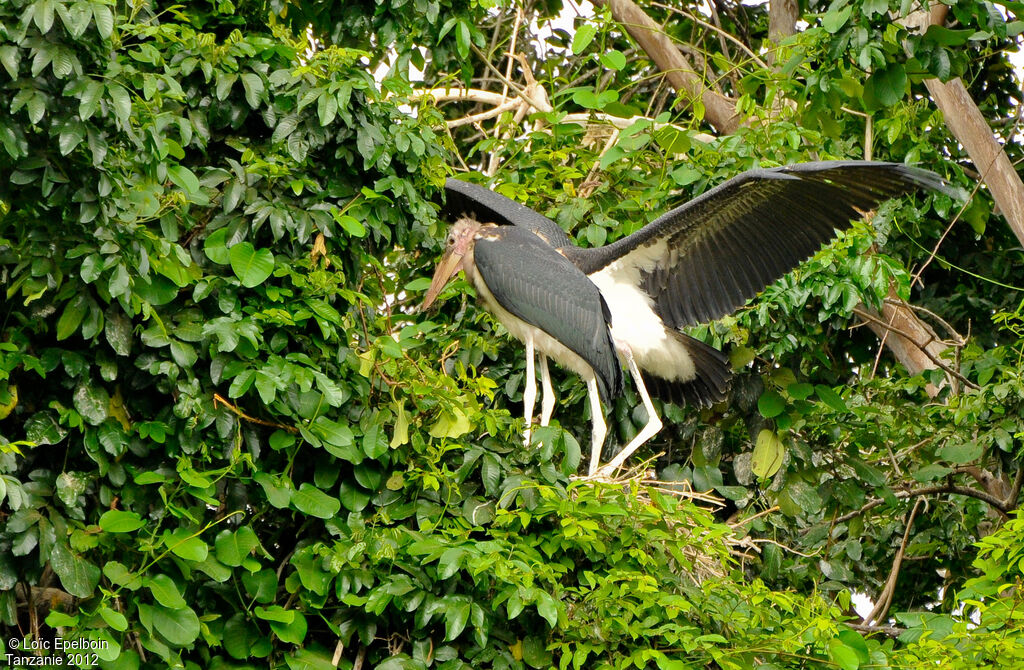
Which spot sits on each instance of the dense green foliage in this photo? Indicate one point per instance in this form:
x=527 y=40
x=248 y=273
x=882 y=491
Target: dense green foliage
x=228 y=440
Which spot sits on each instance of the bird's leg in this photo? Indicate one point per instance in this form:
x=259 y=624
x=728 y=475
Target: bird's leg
x=598 y=427
x=529 y=391
x=653 y=422
x=547 y=405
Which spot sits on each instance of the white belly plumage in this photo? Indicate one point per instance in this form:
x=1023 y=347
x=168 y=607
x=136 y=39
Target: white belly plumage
x=635 y=324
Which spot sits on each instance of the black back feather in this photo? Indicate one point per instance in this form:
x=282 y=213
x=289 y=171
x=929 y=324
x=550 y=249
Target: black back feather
x=534 y=282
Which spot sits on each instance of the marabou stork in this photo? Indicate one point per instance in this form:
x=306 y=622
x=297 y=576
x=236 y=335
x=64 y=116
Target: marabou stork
x=696 y=263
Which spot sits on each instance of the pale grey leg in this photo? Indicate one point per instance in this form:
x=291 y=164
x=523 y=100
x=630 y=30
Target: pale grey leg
x=653 y=422
x=547 y=405
x=598 y=427
x=529 y=391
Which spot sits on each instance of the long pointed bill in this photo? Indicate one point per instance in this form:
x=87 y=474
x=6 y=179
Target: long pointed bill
x=446 y=269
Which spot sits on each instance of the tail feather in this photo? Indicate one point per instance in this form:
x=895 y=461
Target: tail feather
x=707 y=388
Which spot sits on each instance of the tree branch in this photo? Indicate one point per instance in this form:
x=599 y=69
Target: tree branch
x=969 y=127
x=885 y=597
x=1003 y=506
x=719 y=110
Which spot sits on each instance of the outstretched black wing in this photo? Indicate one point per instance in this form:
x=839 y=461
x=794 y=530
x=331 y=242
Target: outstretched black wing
x=706 y=258
x=484 y=205
x=533 y=282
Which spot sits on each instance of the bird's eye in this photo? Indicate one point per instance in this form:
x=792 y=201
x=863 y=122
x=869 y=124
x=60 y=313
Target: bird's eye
x=451 y=240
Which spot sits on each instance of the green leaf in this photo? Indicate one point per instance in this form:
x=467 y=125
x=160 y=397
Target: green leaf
x=830 y=398
x=613 y=60
x=233 y=547
x=156 y=290
x=400 y=435
x=104 y=19
x=10 y=56
x=353 y=498
x=253 y=85
x=872 y=7
x=314 y=502
x=462 y=38
x=121 y=101
x=351 y=225
x=252 y=266
x=278 y=490
x=165 y=591
x=114 y=619
x=240 y=635
x=183 y=178
x=584 y=36
x=961 y=452
x=92 y=402
x=842 y=655
x=547 y=608
x=289 y=625
x=117 y=521
x=451 y=424
x=262 y=585
x=215 y=246
x=931 y=472
x=836 y=19
x=375 y=442
x=78 y=576
x=69 y=321
x=771 y=404
x=455 y=618
x=886 y=85
x=182 y=544
x=768 y=454
x=119 y=575
x=180 y=627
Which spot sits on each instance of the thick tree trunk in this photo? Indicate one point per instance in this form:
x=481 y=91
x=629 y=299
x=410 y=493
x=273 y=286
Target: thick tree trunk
x=782 y=16
x=907 y=337
x=969 y=127
x=719 y=110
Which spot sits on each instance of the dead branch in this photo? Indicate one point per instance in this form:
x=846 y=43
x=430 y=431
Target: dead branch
x=912 y=339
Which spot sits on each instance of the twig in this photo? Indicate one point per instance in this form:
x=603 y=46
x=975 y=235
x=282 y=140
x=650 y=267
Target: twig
x=524 y=93
x=1003 y=506
x=765 y=540
x=339 y=649
x=716 y=29
x=219 y=399
x=483 y=116
x=886 y=596
x=888 y=631
x=760 y=514
x=922 y=346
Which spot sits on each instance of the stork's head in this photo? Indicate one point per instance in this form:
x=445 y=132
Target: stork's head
x=458 y=255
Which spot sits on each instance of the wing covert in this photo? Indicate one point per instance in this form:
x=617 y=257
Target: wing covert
x=535 y=283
